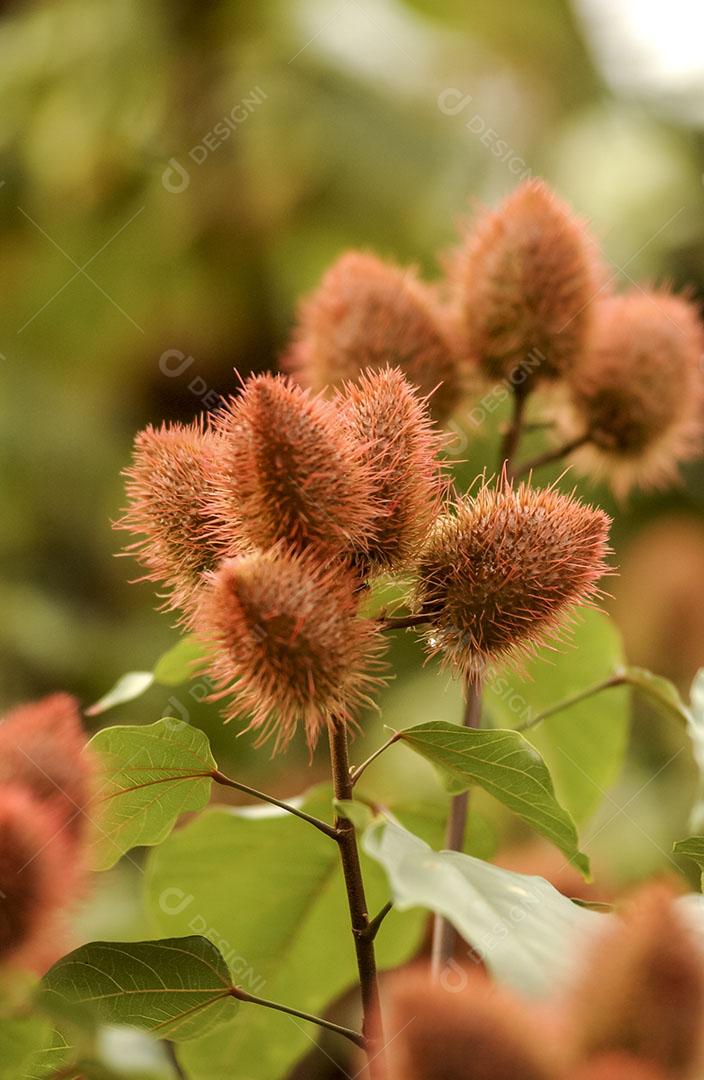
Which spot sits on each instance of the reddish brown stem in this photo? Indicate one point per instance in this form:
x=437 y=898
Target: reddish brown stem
x=555 y=454
x=362 y=928
x=443 y=931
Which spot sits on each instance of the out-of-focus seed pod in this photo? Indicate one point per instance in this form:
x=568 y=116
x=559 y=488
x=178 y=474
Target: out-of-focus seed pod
x=476 y=1033
x=292 y=471
x=35 y=878
x=171 y=510
x=643 y=991
x=367 y=313
x=500 y=570
x=385 y=414
x=638 y=393
x=287 y=644
x=42 y=748
x=523 y=282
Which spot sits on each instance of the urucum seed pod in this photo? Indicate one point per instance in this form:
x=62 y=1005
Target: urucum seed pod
x=291 y=471
x=171 y=510
x=637 y=394
x=386 y=414
x=286 y=643
x=522 y=283
x=500 y=570
x=367 y=313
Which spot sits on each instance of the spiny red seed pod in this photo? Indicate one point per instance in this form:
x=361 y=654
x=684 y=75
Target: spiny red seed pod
x=499 y=571
x=370 y=314
x=35 y=878
x=478 y=1033
x=42 y=747
x=287 y=644
x=643 y=992
x=292 y=471
x=170 y=509
x=385 y=414
x=523 y=283
x=638 y=393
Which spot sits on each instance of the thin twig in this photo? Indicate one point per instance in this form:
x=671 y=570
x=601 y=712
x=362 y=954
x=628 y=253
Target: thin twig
x=375 y=923
x=356 y=773
x=614 y=680
x=512 y=434
x=443 y=931
x=354 y=1036
x=555 y=454
x=401 y=622
x=322 y=826
x=357 y=902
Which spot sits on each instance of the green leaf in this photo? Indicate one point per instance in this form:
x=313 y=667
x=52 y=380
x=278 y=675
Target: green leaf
x=529 y=935
x=20 y=1040
x=693 y=848
x=509 y=768
x=584 y=745
x=269 y=892
x=55 y=1055
x=177 y=988
x=179 y=664
x=176 y=666
x=148 y=777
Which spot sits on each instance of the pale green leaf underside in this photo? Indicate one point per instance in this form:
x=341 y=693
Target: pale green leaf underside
x=505 y=765
x=695 y=729
x=148 y=777
x=178 y=988
x=529 y=935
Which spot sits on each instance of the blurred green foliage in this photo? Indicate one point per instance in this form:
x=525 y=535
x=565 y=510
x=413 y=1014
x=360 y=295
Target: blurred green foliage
x=174 y=175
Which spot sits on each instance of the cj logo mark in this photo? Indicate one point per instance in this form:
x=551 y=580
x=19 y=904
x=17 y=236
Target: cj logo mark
x=175 y=178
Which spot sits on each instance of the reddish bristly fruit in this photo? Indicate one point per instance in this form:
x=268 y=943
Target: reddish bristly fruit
x=643 y=991
x=477 y=1033
x=292 y=472
x=523 y=282
x=367 y=313
x=35 y=878
x=171 y=510
x=42 y=748
x=500 y=571
x=386 y=415
x=638 y=393
x=286 y=643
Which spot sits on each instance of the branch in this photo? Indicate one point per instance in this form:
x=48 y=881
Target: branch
x=549 y=456
x=613 y=680
x=443 y=931
x=357 y=903
x=402 y=622
x=354 y=1036
x=322 y=826
x=375 y=923
x=356 y=773
x=512 y=434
